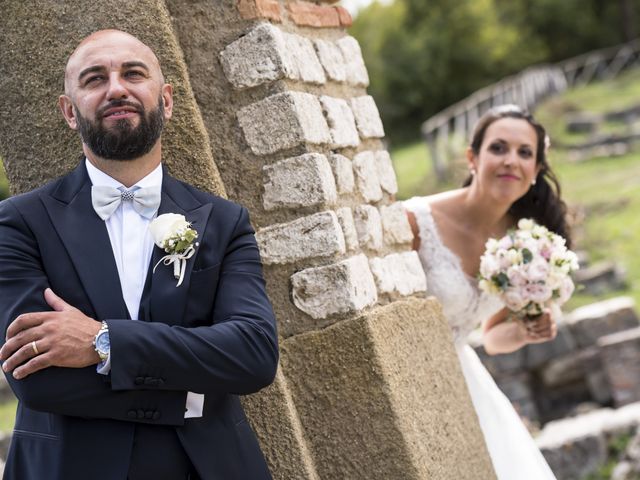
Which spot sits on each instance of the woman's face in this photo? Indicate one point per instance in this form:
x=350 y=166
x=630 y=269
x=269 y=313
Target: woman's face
x=506 y=164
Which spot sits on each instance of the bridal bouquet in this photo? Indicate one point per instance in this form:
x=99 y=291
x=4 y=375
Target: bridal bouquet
x=529 y=269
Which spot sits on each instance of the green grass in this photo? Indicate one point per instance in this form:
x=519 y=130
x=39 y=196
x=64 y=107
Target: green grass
x=7 y=415
x=606 y=189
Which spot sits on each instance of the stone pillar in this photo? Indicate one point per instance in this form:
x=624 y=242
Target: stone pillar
x=274 y=97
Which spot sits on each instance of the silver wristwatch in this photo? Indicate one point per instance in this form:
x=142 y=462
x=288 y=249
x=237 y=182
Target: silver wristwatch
x=101 y=342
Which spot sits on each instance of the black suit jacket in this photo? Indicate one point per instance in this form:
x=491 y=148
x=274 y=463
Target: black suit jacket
x=215 y=334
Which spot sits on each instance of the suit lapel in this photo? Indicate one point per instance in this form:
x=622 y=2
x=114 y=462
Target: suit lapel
x=86 y=239
x=163 y=299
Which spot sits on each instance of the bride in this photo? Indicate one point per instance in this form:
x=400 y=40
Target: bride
x=509 y=179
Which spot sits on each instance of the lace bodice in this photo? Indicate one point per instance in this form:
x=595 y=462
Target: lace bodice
x=464 y=305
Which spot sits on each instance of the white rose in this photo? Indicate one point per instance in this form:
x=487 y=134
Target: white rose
x=514 y=299
x=538 y=292
x=565 y=291
x=165 y=226
x=538 y=270
x=525 y=224
x=488 y=266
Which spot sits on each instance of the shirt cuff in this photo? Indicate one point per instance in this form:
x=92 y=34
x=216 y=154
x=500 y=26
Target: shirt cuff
x=195 y=404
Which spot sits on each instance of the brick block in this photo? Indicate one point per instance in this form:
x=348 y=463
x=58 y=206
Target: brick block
x=395 y=224
x=343 y=172
x=302 y=181
x=342 y=124
x=315 y=236
x=282 y=121
x=386 y=174
x=596 y=320
x=367 y=117
x=621 y=358
x=305 y=62
x=366 y=176
x=311 y=15
x=347 y=286
x=259 y=57
x=368 y=226
x=345 y=17
x=345 y=217
x=354 y=64
x=399 y=273
x=267 y=9
x=331 y=59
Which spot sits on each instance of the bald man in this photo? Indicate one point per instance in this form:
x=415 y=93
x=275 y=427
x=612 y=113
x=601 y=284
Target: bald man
x=123 y=370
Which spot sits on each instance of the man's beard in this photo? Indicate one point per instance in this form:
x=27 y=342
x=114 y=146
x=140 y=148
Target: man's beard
x=122 y=141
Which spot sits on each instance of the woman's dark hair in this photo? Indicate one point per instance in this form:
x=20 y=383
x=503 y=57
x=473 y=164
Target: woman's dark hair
x=542 y=201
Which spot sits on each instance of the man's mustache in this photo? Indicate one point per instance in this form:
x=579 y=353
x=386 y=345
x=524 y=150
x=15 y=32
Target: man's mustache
x=120 y=103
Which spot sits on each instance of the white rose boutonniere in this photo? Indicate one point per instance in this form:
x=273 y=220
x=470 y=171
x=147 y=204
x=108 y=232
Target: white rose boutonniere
x=172 y=233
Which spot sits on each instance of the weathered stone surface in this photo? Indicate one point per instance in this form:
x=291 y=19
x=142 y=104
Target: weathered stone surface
x=346 y=286
x=601 y=277
x=354 y=64
x=259 y=57
x=345 y=217
x=399 y=273
x=274 y=418
x=575 y=460
x=591 y=322
x=342 y=125
x=331 y=59
x=497 y=364
x=368 y=226
x=343 y=172
x=537 y=354
x=395 y=224
x=301 y=181
x=367 y=117
x=305 y=63
x=576 y=446
x=314 y=236
x=571 y=367
x=517 y=387
x=365 y=368
x=283 y=121
x=621 y=359
x=386 y=174
x=366 y=176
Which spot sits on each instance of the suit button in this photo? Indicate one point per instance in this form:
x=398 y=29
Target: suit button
x=140 y=414
x=139 y=380
x=132 y=414
x=156 y=415
x=148 y=414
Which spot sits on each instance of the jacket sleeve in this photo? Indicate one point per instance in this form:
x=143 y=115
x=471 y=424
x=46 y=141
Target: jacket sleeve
x=80 y=392
x=236 y=353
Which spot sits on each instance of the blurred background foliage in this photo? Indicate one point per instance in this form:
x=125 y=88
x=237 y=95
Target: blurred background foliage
x=424 y=55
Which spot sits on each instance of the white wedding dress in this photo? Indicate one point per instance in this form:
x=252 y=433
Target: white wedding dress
x=513 y=452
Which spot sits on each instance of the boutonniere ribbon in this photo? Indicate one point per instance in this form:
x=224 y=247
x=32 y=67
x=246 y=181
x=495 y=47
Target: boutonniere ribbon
x=172 y=233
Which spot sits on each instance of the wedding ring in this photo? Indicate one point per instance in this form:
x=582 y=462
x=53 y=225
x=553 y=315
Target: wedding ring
x=35 y=348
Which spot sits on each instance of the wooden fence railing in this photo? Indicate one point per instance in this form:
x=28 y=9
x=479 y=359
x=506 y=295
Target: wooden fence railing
x=450 y=128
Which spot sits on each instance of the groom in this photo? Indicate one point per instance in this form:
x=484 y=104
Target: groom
x=120 y=372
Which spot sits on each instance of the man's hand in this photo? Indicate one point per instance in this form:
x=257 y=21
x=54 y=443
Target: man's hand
x=62 y=338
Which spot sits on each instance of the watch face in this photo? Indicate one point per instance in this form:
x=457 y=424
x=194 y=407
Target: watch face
x=102 y=342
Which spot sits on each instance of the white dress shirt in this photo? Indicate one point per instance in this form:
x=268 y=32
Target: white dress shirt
x=129 y=229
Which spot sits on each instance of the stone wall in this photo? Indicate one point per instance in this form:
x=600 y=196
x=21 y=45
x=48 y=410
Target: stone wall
x=272 y=110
